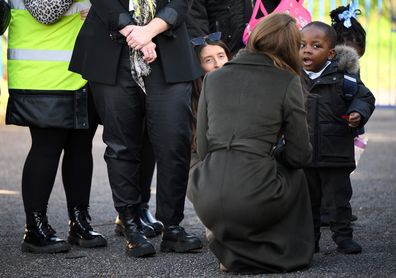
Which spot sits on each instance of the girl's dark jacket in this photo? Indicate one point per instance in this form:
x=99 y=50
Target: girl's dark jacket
x=331 y=137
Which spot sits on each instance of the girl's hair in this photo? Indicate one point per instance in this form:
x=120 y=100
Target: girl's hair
x=220 y=43
x=354 y=36
x=278 y=37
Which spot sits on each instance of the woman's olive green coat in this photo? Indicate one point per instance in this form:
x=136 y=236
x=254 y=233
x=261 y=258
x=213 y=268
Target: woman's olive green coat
x=257 y=209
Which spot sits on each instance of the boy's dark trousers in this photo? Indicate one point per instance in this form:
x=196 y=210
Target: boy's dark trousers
x=335 y=185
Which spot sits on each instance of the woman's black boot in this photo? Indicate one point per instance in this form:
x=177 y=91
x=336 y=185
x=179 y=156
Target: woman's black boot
x=137 y=244
x=147 y=230
x=81 y=232
x=40 y=237
x=146 y=216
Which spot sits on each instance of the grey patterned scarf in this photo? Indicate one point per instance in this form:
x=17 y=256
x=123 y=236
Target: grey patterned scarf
x=143 y=13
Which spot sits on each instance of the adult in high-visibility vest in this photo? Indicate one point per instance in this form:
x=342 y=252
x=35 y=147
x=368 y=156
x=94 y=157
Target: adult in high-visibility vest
x=53 y=102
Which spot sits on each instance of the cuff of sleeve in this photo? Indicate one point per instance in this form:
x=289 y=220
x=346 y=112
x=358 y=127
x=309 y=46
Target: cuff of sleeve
x=169 y=15
x=124 y=19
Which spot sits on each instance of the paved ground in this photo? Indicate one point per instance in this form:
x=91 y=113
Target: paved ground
x=373 y=202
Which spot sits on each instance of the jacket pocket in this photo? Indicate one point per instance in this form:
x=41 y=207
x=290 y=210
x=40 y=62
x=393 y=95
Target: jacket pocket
x=335 y=143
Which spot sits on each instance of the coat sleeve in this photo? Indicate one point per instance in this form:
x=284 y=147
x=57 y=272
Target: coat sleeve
x=112 y=13
x=202 y=124
x=363 y=103
x=174 y=12
x=297 y=151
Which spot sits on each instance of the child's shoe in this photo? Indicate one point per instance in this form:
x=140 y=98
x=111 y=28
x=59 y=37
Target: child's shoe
x=349 y=246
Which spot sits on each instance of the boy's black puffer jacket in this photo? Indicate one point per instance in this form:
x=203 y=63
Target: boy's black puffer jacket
x=331 y=137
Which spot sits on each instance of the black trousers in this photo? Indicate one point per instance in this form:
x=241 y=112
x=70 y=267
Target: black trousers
x=166 y=110
x=335 y=185
x=146 y=168
x=42 y=162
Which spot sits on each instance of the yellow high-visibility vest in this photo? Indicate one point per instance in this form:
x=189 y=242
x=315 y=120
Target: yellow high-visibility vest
x=39 y=54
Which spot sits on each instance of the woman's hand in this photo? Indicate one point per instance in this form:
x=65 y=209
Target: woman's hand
x=149 y=53
x=126 y=30
x=139 y=37
x=142 y=35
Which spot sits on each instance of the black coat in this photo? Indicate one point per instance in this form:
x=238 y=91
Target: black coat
x=98 y=47
x=228 y=16
x=331 y=137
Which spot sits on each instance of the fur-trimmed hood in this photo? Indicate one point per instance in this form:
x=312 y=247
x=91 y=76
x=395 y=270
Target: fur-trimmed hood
x=348 y=59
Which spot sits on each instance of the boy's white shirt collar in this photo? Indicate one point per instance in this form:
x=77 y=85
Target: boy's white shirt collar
x=313 y=75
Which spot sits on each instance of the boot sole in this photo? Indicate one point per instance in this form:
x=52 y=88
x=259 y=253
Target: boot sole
x=144 y=251
x=55 y=248
x=87 y=243
x=118 y=230
x=178 y=247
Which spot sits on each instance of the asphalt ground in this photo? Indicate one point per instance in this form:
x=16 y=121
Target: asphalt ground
x=373 y=202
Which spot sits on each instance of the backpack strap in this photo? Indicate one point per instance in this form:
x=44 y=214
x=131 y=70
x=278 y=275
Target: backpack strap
x=350 y=86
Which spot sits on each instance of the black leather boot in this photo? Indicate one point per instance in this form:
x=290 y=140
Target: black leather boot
x=137 y=244
x=147 y=230
x=40 y=237
x=175 y=239
x=146 y=216
x=81 y=232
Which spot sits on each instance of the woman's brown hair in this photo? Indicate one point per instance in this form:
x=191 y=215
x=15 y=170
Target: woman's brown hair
x=278 y=37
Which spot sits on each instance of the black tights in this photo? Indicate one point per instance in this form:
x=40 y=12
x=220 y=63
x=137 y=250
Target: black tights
x=42 y=162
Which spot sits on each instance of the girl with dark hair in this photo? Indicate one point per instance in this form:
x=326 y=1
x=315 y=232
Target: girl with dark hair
x=212 y=54
x=349 y=30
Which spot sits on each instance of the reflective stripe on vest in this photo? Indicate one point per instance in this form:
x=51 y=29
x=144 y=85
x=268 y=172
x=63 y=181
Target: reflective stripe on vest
x=39 y=54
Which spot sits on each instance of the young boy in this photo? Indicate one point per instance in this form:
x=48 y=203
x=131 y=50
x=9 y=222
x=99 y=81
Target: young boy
x=333 y=117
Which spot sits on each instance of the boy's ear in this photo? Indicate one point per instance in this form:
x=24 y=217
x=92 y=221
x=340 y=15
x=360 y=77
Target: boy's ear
x=332 y=54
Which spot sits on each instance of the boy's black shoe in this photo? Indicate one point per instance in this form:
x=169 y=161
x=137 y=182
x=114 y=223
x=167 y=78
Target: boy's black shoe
x=353 y=218
x=175 y=239
x=349 y=246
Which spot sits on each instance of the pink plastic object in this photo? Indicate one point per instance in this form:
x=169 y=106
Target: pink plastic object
x=291 y=7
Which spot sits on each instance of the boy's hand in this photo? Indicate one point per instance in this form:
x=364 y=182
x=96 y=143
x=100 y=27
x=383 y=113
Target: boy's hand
x=354 y=119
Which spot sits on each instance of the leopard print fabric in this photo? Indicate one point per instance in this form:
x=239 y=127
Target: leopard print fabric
x=47 y=11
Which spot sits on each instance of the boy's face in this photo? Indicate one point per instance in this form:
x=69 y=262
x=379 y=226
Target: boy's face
x=315 y=49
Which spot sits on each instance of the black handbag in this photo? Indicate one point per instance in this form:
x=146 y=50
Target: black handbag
x=5 y=16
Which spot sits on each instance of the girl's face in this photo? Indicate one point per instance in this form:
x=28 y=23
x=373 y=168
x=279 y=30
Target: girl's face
x=315 y=49
x=212 y=57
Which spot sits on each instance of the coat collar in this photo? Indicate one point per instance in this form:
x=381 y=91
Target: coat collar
x=249 y=58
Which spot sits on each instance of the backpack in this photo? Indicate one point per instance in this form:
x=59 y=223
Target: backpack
x=292 y=7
